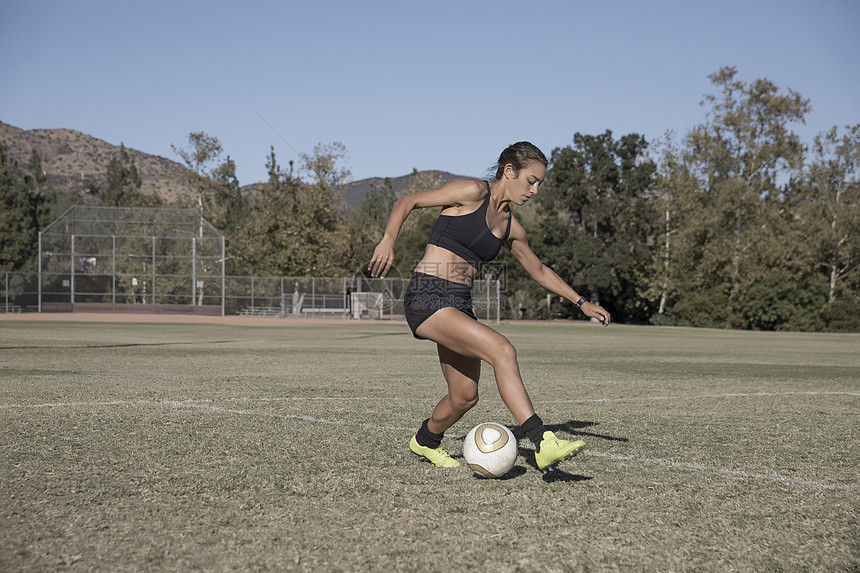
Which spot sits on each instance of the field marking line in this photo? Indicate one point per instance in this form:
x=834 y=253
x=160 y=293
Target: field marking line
x=611 y=456
x=693 y=397
x=209 y=406
x=421 y=399
x=716 y=469
x=192 y=401
x=312 y=419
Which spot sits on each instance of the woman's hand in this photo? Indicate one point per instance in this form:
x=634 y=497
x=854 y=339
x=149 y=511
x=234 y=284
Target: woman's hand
x=597 y=312
x=382 y=259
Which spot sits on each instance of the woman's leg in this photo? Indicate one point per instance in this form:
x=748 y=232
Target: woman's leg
x=462 y=336
x=461 y=374
x=469 y=338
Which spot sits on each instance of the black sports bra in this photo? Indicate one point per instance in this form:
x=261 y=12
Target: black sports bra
x=468 y=236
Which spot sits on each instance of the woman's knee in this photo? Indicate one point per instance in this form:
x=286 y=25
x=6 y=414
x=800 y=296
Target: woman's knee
x=505 y=355
x=464 y=401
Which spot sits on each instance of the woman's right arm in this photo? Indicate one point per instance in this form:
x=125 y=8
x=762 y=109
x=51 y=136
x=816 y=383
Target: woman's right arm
x=454 y=193
x=383 y=254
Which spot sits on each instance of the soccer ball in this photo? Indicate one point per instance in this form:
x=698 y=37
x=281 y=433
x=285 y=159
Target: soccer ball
x=490 y=450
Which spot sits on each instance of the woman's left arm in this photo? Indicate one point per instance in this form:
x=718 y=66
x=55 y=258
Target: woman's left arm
x=546 y=277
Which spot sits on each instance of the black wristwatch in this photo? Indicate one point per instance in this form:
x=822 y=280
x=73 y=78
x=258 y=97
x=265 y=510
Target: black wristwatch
x=581 y=300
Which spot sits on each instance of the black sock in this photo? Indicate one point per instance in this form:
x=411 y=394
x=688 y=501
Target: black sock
x=534 y=429
x=426 y=438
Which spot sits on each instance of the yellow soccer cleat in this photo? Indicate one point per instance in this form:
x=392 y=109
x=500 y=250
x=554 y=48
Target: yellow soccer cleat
x=436 y=456
x=553 y=450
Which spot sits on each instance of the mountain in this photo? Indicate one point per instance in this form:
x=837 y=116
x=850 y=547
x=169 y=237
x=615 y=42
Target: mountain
x=354 y=192
x=75 y=162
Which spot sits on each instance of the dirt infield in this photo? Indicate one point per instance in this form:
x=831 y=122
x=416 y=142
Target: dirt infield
x=179 y=318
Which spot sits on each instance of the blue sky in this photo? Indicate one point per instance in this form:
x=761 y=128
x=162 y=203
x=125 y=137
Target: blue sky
x=425 y=84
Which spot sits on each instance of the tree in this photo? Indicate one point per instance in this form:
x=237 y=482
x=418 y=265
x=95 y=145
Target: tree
x=200 y=157
x=828 y=217
x=219 y=197
x=37 y=177
x=294 y=227
x=834 y=187
x=598 y=225
x=675 y=279
x=36 y=180
x=20 y=213
x=323 y=163
x=739 y=156
x=224 y=205
x=377 y=204
x=124 y=184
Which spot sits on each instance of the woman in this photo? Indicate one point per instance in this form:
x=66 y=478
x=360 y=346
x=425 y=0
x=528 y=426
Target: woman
x=475 y=221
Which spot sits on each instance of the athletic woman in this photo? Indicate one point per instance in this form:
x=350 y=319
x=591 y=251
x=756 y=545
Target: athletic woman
x=475 y=221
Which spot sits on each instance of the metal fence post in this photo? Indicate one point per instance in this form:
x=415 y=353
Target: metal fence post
x=344 y=305
x=39 y=298
x=498 y=302
x=194 y=272
x=113 y=273
x=72 y=274
x=488 y=299
x=153 y=271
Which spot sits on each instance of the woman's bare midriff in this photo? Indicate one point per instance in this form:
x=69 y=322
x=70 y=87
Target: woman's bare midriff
x=442 y=263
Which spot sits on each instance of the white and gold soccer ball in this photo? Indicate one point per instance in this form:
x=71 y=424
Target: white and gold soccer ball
x=490 y=450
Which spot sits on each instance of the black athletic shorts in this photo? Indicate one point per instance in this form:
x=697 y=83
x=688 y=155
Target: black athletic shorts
x=426 y=294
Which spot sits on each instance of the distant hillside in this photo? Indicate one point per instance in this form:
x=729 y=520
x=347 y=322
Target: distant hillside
x=354 y=192
x=77 y=163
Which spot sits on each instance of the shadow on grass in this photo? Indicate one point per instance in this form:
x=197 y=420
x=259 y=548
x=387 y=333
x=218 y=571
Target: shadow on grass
x=514 y=473
x=557 y=475
x=575 y=427
x=553 y=475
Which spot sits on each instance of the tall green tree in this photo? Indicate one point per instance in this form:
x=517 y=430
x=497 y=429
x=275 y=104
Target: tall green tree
x=124 y=184
x=20 y=213
x=224 y=205
x=674 y=279
x=36 y=177
x=47 y=199
x=295 y=228
x=53 y=203
x=200 y=156
x=597 y=224
x=218 y=196
x=828 y=217
x=741 y=156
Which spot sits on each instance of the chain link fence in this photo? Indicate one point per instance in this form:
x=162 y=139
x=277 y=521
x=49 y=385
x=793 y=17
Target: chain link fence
x=298 y=297
x=142 y=260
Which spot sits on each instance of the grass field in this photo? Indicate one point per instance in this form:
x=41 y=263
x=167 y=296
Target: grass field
x=129 y=447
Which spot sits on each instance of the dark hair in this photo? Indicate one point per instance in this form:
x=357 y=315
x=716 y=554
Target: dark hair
x=519 y=155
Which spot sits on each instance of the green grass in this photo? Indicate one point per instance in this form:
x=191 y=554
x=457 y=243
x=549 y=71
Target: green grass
x=283 y=447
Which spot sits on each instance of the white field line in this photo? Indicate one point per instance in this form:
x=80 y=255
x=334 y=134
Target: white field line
x=203 y=401
x=311 y=419
x=719 y=470
x=191 y=402
x=209 y=405
x=694 y=397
